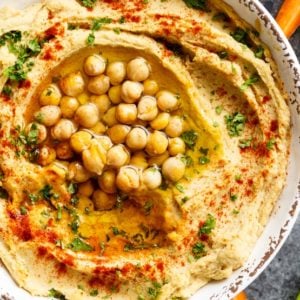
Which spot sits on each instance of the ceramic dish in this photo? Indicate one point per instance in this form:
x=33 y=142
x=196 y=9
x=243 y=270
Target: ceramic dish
x=288 y=206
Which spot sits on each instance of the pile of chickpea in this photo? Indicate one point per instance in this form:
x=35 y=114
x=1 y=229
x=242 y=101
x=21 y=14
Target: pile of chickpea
x=126 y=131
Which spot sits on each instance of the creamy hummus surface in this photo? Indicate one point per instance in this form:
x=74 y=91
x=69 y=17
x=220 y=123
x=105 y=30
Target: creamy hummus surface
x=143 y=146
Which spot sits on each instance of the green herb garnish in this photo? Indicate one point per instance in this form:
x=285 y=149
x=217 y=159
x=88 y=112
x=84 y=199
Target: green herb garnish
x=79 y=245
x=198 y=250
x=245 y=143
x=271 y=143
x=250 y=81
x=88 y=3
x=96 y=25
x=240 y=35
x=223 y=54
x=208 y=225
x=235 y=123
x=179 y=187
x=197 y=4
x=259 y=52
x=190 y=138
x=56 y=294
x=203 y=160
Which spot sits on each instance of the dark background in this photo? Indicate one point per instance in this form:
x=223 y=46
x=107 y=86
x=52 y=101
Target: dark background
x=281 y=279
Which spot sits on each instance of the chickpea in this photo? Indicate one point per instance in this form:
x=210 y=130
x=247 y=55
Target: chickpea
x=147 y=108
x=107 y=182
x=117 y=156
x=48 y=115
x=41 y=131
x=51 y=95
x=176 y=146
x=99 y=85
x=175 y=127
x=173 y=168
x=85 y=204
x=152 y=178
x=128 y=179
x=80 y=141
x=116 y=71
x=94 y=65
x=83 y=98
x=150 y=87
x=68 y=106
x=86 y=188
x=63 y=130
x=138 y=69
x=114 y=94
x=137 y=138
x=118 y=133
x=131 y=91
x=157 y=143
x=110 y=117
x=167 y=101
x=159 y=159
x=56 y=173
x=64 y=150
x=94 y=158
x=104 y=141
x=161 y=121
x=102 y=102
x=104 y=201
x=72 y=84
x=87 y=115
x=78 y=173
x=139 y=160
x=46 y=156
x=126 y=113
x=99 y=128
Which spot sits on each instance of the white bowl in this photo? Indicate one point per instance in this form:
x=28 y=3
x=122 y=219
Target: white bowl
x=288 y=206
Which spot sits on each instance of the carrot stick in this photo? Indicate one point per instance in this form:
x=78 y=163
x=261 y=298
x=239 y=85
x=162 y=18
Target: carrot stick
x=241 y=296
x=288 y=17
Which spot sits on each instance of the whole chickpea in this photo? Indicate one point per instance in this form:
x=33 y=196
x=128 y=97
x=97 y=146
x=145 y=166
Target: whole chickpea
x=51 y=95
x=175 y=127
x=64 y=150
x=159 y=159
x=176 y=146
x=86 y=188
x=137 y=138
x=110 y=117
x=150 y=87
x=107 y=182
x=63 y=130
x=80 y=141
x=173 y=168
x=104 y=201
x=138 y=69
x=161 y=121
x=48 y=115
x=46 y=156
x=131 y=91
x=102 y=102
x=99 y=128
x=152 y=178
x=94 y=65
x=85 y=204
x=167 y=101
x=41 y=132
x=104 y=140
x=68 y=106
x=126 y=113
x=157 y=143
x=116 y=71
x=118 y=133
x=99 y=85
x=72 y=84
x=147 y=108
x=139 y=160
x=78 y=173
x=87 y=115
x=117 y=156
x=128 y=179
x=114 y=94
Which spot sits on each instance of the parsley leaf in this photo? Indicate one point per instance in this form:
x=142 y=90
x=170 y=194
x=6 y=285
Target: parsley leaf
x=251 y=80
x=7 y=91
x=56 y=294
x=208 y=225
x=270 y=144
x=223 y=54
x=240 y=35
x=187 y=160
x=96 y=25
x=203 y=160
x=235 y=123
x=197 y=4
x=190 y=138
x=198 y=250
x=79 y=245
x=259 y=52
x=46 y=192
x=88 y=3
x=245 y=143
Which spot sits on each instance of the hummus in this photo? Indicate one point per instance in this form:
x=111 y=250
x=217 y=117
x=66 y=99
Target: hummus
x=143 y=146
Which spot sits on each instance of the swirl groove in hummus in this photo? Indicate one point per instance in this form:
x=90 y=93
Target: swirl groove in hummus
x=87 y=212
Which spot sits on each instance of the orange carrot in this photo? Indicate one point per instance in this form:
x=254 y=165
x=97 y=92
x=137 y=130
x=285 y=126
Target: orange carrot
x=241 y=296
x=288 y=17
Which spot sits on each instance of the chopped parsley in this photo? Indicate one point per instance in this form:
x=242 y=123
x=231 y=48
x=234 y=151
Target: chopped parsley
x=13 y=36
x=259 y=52
x=56 y=294
x=155 y=290
x=184 y=199
x=198 y=250
x=3 y=193
x=219 y=109
x=197 y=4
x=203 y=160
x=46 y=192
x=270 y=144
x=208 y=225
x=223 y=54
x=250 y=81
x=188 y=161
x=79 y=245
x=117 y=30
x=240 y=35
x=245 y=143
x=235 y=212
x=96 y=25
x=116 y=231
x=7 y=91
x=88 y=3
x=147 y=207
x=72 y=188
x=94 y=293
x=190 y=138
x=204 y=151
x=235 y=124
x=59 y=212
x=122 y=20
x=233 y=197
x=179 y=187
x=23 y=210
